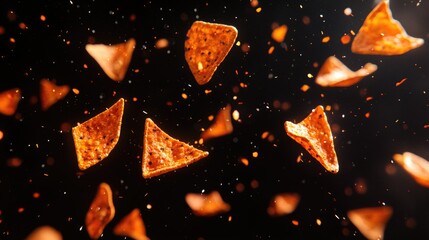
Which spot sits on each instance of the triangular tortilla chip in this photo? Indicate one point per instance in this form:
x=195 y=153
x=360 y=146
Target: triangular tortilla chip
x=206 y=46
x=9 y=100
x=222 y=124
x=206 y=205
x=380 y=34
x=371 y=221
x=113 y=59
x=95 y=138
x=334 y=73
x=101 y=211
x=44 y=233
x=131 y=225
x=416 y=166
x=314 y=134
x=283 y=204
x=50 y=93
x=162 y=153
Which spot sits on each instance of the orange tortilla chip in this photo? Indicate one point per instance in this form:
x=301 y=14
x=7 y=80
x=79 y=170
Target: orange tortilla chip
x=9 y=100
x=314 y=134
x=101 y=211
x=162 y=153
x=206 y=46
x=334 y=73
x=44 y=233
x=371 y=221
x=206 y=205
x=222 y=125
x=96 y=138
x=283 y=204
x=113 y=59
x=131 y=225
x=50 y=93
x=416 y=166
x=380 y=34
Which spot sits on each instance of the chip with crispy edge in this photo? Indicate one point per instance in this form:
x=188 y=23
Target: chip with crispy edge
x=371 y=221
x=206 y=47
x=334 y=73
x=222 y=124
x=380 y=34
x=50 y=93
x=314 y=134
x=131 y=225
x=162 y=153
x=283 y=204
x=113 y=59
x=100 y=212
x=207 y=205
x=44 y=233
x=95 y=138
x=415 y=165
x=9 y=100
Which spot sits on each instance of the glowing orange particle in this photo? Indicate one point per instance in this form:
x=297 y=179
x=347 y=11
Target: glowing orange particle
x=255 y=154
x=305 y=88
x=42 y=18
x=36 y=195
x=259 y=9
x=345 y=39
x=184 y=96
x=21 y=210
x=265 y=134
x=12 y=40
x=244 y=161
x=400 y=82
x=271 y=50
x=326 y=39
x=161 y=43
x=279 y=33
x=367 y=115
x=318 y=222
x=75 y=91
x=235 y=115
x=1 y=135
x=85 y=66
x=295 y=222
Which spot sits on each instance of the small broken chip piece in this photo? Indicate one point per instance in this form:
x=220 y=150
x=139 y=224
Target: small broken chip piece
x=206 y=47
x=162 y=153
x=101 y=211
x=95 y=138
x=415 y=165
x=380 y=34
x=279 y=33
x=334 y=73
x=207 y=205
x=9 y=100
x=131 y=225
x=113 y=59
x=44 y=232
x=221 y=126
x=314 y=134
x=50 y=93
x=283 y=204
x=371 y=221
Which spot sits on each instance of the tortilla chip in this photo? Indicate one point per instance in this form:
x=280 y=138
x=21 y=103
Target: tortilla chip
x=113 y=59
x=96 y=138
x=50 y=93
x=206 y=205
x=222 y=125
x=131 y=225
x=44 y=233
x=416 y=166
x=206 y=47
x=334 y=73
x=9 y=100
x=101 y=211
x=314 y=134
x=371 y=221
x=283 y=204
x=380 y=34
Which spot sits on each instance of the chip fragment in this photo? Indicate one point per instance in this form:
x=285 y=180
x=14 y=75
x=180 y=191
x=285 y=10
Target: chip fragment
x=101 y=211
x=206 y=47
x=131 y=225
x=50 y=93
x=9 y=100
x=371 y=221
x=221 y=126
x=415 y=165
x=207 y=205
x=44 y=233
x=283 y=204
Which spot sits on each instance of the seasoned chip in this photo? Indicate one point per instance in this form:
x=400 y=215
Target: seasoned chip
x=314 y=134
x=162 y=153
x=101 y=211
x=416 y=166
x=44 y=233
x=131 y=225
x=334 y=73
x=380 y=34
x=50 y=93
x=222 y=124
x=206 y=205
x=283 y=204
x=371 y=221
x=113 y=59
x=9 y=100
x=95 y=138
x=206 y=46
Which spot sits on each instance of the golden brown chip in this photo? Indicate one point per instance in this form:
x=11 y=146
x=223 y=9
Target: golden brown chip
x=416 y=166
x=44 y=233
x=206 y=205
x=95 y=138
x=334 y=73
x=162 y=153
x=131 y=225
x=222 y=125
x=206 y=46
x=283 y=204
x=101 y=211
x=371 y=221
x=314 y=134
x=50 y=93
x=113 y=59
x=9 y=100
x=380 y=34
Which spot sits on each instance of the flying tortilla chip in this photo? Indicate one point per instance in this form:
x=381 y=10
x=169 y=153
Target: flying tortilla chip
x=101 y=211
x=283 y=204
x=380 y=34
x=9 y=100
x=44 y=233
x=314 y=134
x=162 y=153
x=371 y=221
x=206 y=46
x=334 y=73
x=113 y=59
x=50 y=93
x=96 y=138
x=416 y=166
x=206 y=205
x=131 y=225
x=222 y=124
